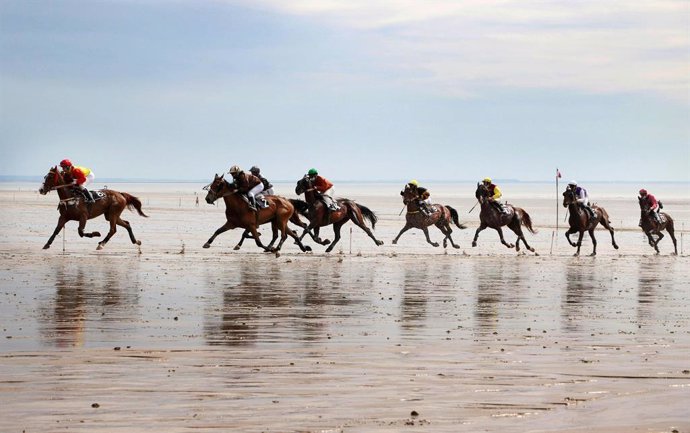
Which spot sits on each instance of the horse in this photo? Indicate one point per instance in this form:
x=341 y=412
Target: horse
x=72 y=207
x=441 y=217
x=580 y=222
x=238 y=214
x=320 y=216
x=651 y=227
x=491 y=217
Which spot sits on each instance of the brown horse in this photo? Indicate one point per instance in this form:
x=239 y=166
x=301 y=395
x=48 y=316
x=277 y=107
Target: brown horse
x=580 y=222
x=651 y=227
x=73 y=208
x=491 y=217
x=238 y=214
x=320 y=216
x=441 y=217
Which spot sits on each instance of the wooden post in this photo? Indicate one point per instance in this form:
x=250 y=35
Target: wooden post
x=552 y=236
x=350 y=240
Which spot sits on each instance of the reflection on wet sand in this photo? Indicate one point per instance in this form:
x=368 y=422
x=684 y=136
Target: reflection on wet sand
x=499 y=292
x=415 y=295
x=580 y=295
x=85 y=298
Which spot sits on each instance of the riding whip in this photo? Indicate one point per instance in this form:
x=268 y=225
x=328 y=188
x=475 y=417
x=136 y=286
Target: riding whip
x=475 y=205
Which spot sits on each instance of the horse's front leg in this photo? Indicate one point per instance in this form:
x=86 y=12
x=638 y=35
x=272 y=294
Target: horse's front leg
x=274 y=229
x=224 y=228
x=656 y=244
x=245 y=235
x=579 y=243
x=61 y=223
x=404 y=229
x=428 y=239
x=567 y=236
x=481 y=227
x=82 y=225
x=594 y=242
x=255 y=234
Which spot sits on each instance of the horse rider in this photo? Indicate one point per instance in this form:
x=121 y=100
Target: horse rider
x=581 y=197
x=81 y=176
x=247 y=184
x=268 y=188
x=423 y=197
x=324 y=187
x=653 y=205
x=494 y=195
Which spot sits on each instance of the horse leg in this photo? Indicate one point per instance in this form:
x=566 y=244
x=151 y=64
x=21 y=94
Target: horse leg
x=608 y=227
x=426 y=233
x=82 y=225
x=656 y=244
x=503 y=241
x=404 y=229
x=515 y=227
x=447 y=230
x=111 y=232
x=356 y=218
x=336 y=233
x=61 y=223
x=594 y=242
x=579 y=243
x=245 y=235
x=255 y=234
x=481 y=227
x=224 y=228
x=293 y=235
x=128 y=227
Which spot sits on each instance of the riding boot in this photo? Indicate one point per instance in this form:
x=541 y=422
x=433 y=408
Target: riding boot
x=656 y=217
x=252 y=203
x=87 y=196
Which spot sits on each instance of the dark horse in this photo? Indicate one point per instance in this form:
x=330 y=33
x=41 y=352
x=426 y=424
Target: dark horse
x=320 y=216
x=651 y=227
x=73 y=208
x=580 y=222
x=491 y=217
x=441 y=217
x=238 y=214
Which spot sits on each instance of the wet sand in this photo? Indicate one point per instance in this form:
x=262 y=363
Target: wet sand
x=171 y=337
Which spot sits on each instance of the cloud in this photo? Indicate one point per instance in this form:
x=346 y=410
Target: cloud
x=460 y=48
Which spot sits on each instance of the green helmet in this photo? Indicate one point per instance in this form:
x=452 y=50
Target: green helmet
x=312 y=172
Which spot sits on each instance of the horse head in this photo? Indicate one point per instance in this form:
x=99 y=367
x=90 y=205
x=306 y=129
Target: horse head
x=51 y=180
x=303 y=185
x=218 y=188
x=409 y=193
x=481 y=193
x=569 y=197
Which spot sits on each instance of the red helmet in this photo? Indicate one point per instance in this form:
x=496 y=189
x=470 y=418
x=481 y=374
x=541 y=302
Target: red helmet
x=65 y=163
x=643 y=191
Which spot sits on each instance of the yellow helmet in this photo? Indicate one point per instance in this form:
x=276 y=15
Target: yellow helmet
x=487 y=180
x=414 y=182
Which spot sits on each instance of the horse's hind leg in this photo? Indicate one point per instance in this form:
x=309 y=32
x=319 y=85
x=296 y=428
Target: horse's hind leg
x=447 y=231
x=503 y=241
x=82 y=225
x=426 y=233
x=113 y=230
x=61 y=223
x=128 y=227
x=515 y=227
x=356 y=218
x=608 y=227
x=594 y=242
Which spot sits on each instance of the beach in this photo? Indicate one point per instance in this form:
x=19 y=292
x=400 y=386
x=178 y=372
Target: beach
x=171 y=337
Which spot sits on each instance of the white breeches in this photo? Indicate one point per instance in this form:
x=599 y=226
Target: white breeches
x=257 y=189
x=89 y=179
x=583 y=201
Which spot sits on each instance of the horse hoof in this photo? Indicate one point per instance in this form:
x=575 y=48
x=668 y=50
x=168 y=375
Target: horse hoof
x=511 y=246
x=207 y=245
x=593 y=254
x=379 y=243
x=138 y=242
x=236 y=248
x=307 y=248
x=576 y=254
x=615 y=246
x=435 y=244
x=474 y=244
x=99 y=247
x=96 y=234
x=456 y=246
x=46 y=246
x=395 y=242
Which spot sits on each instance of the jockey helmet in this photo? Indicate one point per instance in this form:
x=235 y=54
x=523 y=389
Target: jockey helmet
x=255 y=170
x=643 y=192
x=312 y=172
x=572 y=183
x=235 y=169
x=65 y=163
x=414 y=182
x=487 y=180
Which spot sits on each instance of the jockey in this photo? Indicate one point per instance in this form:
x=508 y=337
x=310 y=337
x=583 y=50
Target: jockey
x=81 y=176
x=581 y=197
x=324 y=187
x=494 y=194
x=423 y=200
x=653 y=204
x=268 y=188
x=247 y=184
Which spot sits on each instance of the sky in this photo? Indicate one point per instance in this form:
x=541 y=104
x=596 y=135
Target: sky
x=359 y=89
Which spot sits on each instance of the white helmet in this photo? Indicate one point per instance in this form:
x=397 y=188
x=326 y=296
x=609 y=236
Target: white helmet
x=573 y=183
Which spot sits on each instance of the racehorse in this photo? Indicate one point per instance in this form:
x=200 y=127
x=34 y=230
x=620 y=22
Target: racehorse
x=73 y=208
x=491 y=217
x=238 y=214
x=651 y=227
x=441 y=217
x=580 y=222
x=320 y=216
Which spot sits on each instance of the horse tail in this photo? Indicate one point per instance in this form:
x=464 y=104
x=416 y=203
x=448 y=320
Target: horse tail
x=133 y=202
x=454 y=215
x=301 y=206
x=368 y=214
x=526 y=221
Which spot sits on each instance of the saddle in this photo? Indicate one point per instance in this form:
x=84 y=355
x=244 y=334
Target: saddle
x=96 y=194
x=261 y=201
